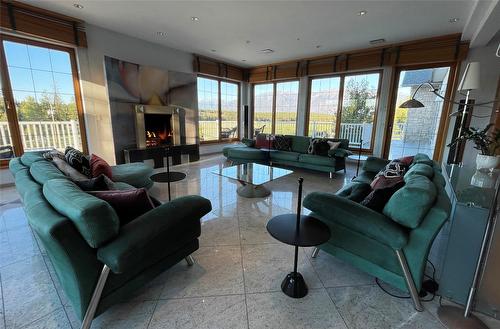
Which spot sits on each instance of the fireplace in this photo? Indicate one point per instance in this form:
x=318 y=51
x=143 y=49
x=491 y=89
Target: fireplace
x=156 y=125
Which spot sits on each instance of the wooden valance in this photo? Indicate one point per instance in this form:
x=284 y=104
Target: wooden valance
x=23 y=18
x=215 y=68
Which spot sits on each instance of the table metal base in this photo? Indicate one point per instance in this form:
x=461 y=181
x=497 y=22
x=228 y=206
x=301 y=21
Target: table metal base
x=252 y=191
x=294 y=285
x=453 y=317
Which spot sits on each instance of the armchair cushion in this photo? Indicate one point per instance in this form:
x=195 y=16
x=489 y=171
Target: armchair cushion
x=409 y=205
x=420 y=169
x=155 y=235
x=358 y=218
x=95 y=219
x=136 y=174
x=374 y=164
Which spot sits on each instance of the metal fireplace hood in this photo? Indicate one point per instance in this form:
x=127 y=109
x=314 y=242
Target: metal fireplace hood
x=140 y=128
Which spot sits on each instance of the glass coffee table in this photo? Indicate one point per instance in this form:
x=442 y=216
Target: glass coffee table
x=252 y=177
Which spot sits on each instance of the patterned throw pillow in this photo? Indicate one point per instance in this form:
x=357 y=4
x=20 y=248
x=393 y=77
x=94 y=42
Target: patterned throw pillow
x=321 y=146
x=77 y=160
x=312 y=145
x=282 y=143
x=392 y=173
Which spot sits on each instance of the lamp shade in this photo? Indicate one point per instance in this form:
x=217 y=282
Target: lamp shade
x=470 y=79
x=411 y=103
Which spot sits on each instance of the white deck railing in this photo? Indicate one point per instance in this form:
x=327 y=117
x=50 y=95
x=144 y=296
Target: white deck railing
x=39 y=135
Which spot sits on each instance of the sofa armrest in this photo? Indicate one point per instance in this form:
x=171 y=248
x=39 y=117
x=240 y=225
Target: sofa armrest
x=356 y=217
x=248 y=142
x=374 y=164
x=147 y=231
x=339 y=153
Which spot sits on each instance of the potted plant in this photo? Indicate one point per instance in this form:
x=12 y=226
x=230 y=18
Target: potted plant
x=487 y=143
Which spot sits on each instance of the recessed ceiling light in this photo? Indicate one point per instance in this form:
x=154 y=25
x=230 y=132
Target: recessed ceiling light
x=195 y=19
x=161 y=34
x=243 y=60
x=361 y=13
x=213 y=50
x=266 y=51
x=453 y=20
x=248 y=41
x=77 y=5
x=318 y=46
x=298 y=39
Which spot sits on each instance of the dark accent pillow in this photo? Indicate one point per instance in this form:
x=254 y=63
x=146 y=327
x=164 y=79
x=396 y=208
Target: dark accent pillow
x=248 y=142
x=262 y=142
x=377 y=199
x=128 y=204
x=406 y=161
x=359 y=192
x=77 y=160
x=99 y=166
x=282 y=143
x=99 y=183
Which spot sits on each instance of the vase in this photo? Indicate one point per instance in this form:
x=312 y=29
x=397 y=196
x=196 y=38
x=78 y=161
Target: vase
x=489 y=162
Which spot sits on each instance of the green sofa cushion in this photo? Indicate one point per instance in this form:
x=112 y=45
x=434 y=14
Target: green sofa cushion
x=42 y=171
x=25 y=183
x=94 y=218
x=422 y=158
x=225 y=149
x=438 y=179
x=409 y=205
x=365 y=177
x=339 y=152
x=300 y=144
x=28 y=158
x=420 y=169
x=15 y=165
x=374 y=164
x=316 y=159
x=285 y=156
x=136 y=174
x=247 y=153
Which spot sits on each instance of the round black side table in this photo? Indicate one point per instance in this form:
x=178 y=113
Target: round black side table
x=168 y=176
x=299 y=231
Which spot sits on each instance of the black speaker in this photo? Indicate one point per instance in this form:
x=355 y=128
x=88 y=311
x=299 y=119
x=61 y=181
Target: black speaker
x=245 y=120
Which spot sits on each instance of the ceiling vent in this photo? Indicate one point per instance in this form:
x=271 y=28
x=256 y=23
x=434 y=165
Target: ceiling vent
x=266 y=51
x=377 y=41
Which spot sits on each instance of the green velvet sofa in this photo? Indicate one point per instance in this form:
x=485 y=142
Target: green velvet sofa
x=98 y=261
x=298 y=157
x=393 y=245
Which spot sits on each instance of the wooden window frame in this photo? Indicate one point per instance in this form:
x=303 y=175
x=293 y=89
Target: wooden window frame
x=219 y=140
x=273 y=116
x=342 y=77
x=10 y=104
x=447 y=105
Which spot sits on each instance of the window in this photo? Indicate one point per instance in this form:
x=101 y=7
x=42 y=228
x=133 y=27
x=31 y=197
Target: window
x=39 y=107
x=344 y=106
x=218 y=104
x=275 y=108
x=415 y=130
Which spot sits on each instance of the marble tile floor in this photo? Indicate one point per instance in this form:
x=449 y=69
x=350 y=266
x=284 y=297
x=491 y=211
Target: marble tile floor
x=235 y=282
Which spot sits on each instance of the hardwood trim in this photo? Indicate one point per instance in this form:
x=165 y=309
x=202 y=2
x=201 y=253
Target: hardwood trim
x=340 y=105
x=495 y=115
x=214 y=68
x=389 y=117
x=273 y=117
x=13 y=120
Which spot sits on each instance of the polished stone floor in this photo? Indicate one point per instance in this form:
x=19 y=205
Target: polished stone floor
x=235 y=282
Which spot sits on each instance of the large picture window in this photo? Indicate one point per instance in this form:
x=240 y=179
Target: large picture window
x=218 y=103
x=41 y=103
x=345 y=106
x=275 y=107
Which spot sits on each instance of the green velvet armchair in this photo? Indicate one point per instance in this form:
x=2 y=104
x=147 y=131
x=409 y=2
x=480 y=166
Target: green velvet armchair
x=392 y=245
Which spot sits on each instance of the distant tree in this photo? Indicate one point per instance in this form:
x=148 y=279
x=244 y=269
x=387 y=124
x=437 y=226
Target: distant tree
x=48 y=107
x=357 y=110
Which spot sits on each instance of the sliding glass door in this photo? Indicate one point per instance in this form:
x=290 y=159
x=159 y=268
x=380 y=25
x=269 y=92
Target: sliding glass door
x=40 y=98
x=416 y=130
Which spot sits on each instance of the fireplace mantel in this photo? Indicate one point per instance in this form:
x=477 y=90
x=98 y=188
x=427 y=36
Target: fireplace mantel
x=140 y=128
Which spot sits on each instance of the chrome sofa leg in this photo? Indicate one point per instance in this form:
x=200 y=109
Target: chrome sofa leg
x=331 y=175
x=409 y=281
x=345 y=170
x=315 y=253
x=96 y=297
x=189 y=260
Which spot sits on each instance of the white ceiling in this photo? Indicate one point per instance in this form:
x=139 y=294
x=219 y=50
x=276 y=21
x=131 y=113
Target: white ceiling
x=293 y=29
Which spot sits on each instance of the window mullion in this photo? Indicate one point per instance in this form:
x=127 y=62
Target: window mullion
x=339 y=107
x=220 y=110
x=273 y=117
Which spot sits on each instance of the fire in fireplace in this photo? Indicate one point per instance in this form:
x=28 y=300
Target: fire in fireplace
x=158 y=129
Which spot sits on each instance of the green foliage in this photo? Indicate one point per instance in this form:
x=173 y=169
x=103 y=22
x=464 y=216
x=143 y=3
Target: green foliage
x=486 y=142
x=357 y=110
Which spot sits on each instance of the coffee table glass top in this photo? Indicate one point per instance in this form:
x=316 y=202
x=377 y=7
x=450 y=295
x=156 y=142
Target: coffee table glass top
x=253 y=173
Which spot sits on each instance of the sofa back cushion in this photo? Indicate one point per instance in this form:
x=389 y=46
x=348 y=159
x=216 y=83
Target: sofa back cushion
x=94 y=218
x=25 y=183
x=420 y=169
x=422 y=158
x=42 y=171
x=300 y=144
x=409 y=205
x=28 y=158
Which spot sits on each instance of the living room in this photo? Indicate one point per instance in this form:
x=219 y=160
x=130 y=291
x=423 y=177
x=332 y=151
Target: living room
x=249 y=164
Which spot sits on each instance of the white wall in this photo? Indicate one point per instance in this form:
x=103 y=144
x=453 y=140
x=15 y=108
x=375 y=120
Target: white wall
x=489 y=75
x=102 y=42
